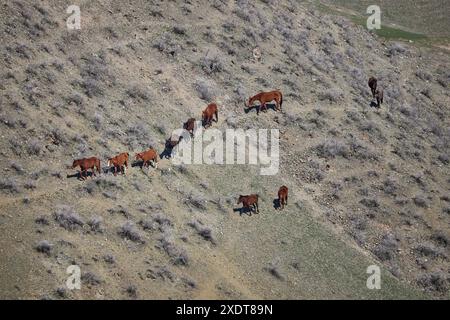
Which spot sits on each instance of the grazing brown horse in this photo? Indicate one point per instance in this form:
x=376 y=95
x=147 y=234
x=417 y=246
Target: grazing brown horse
x=373 y=85
x=265 y=97
x=147 y=156
x=249 y=202
x=119 y=162
x=208 y=113
x=379 y=96
x=189 y=126
x=283 y=196
x=85 y=164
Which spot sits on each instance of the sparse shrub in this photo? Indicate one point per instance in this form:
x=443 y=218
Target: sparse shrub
x=42 y=220
x=423 y=75
x=332 y=148
x=420 y=201
x=441 y=238
x=132 y=291
x=61 y=292
x=68 y=218
x=34 y=147
x=203 y=231
x=9 y=186
x=90 y=278
x=332 y=95
x=205 y=90
x=109 y=259
x=212 y=64
x=434 y=281
x=428 y=249
x=370 y=203
x=137 y=92
x=396 y=49
x=30 y=184
x=387 y=248
x=196 y=200
x=177 y=255
x=167 y=45
x=92 y=87
x=95 y=224
x=180 y=30
x=17 y=167
x=44 y=247
x=128 y=231
x=389 y=187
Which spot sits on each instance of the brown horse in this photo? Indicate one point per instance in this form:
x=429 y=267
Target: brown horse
x=265 y=97
x=373 y=85
x=119 y=162
x=249 y=202
x=85 y=164
x=147 y=156
x=379 y=96
x=208 y=113
x=189 y=126
x=282 y=196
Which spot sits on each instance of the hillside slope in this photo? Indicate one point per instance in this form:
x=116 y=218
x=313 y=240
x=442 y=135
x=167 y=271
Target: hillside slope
x=367 y=185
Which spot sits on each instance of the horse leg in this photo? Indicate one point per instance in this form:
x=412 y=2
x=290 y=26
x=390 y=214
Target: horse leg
x=264 y=107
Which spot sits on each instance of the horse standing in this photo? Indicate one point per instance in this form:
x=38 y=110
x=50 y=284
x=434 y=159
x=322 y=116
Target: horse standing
x=189 y=126
x=283 y=196
x=120 y=162
x=208 y=114
x=148 y=156
x=249 y=202
x=379 y=96
x=373 y=85
x=265 y=97
x=85 y=164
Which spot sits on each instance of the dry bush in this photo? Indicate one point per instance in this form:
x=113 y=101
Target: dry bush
x=68 y=218
x=44 y=246
x=129 y=231
x=203 y=231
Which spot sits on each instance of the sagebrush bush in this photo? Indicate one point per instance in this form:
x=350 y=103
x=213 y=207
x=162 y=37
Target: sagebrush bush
x=178 y=256
x=205 y=90
x=332 y=148
x=44 y=246
x=68 y=218
x=129 y=231
x=203 y=231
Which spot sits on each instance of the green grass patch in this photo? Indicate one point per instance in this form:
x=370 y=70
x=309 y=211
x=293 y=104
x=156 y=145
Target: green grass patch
x=387 y=32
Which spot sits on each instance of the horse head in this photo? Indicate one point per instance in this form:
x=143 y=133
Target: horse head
x=75 y=163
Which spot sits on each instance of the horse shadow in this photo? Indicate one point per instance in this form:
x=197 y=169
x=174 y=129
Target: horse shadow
x=373 y=104
x=276 y=204
x=77 y=175
x=138 y=163
x=271 y=106
x=166 y=154
x=243 y=210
